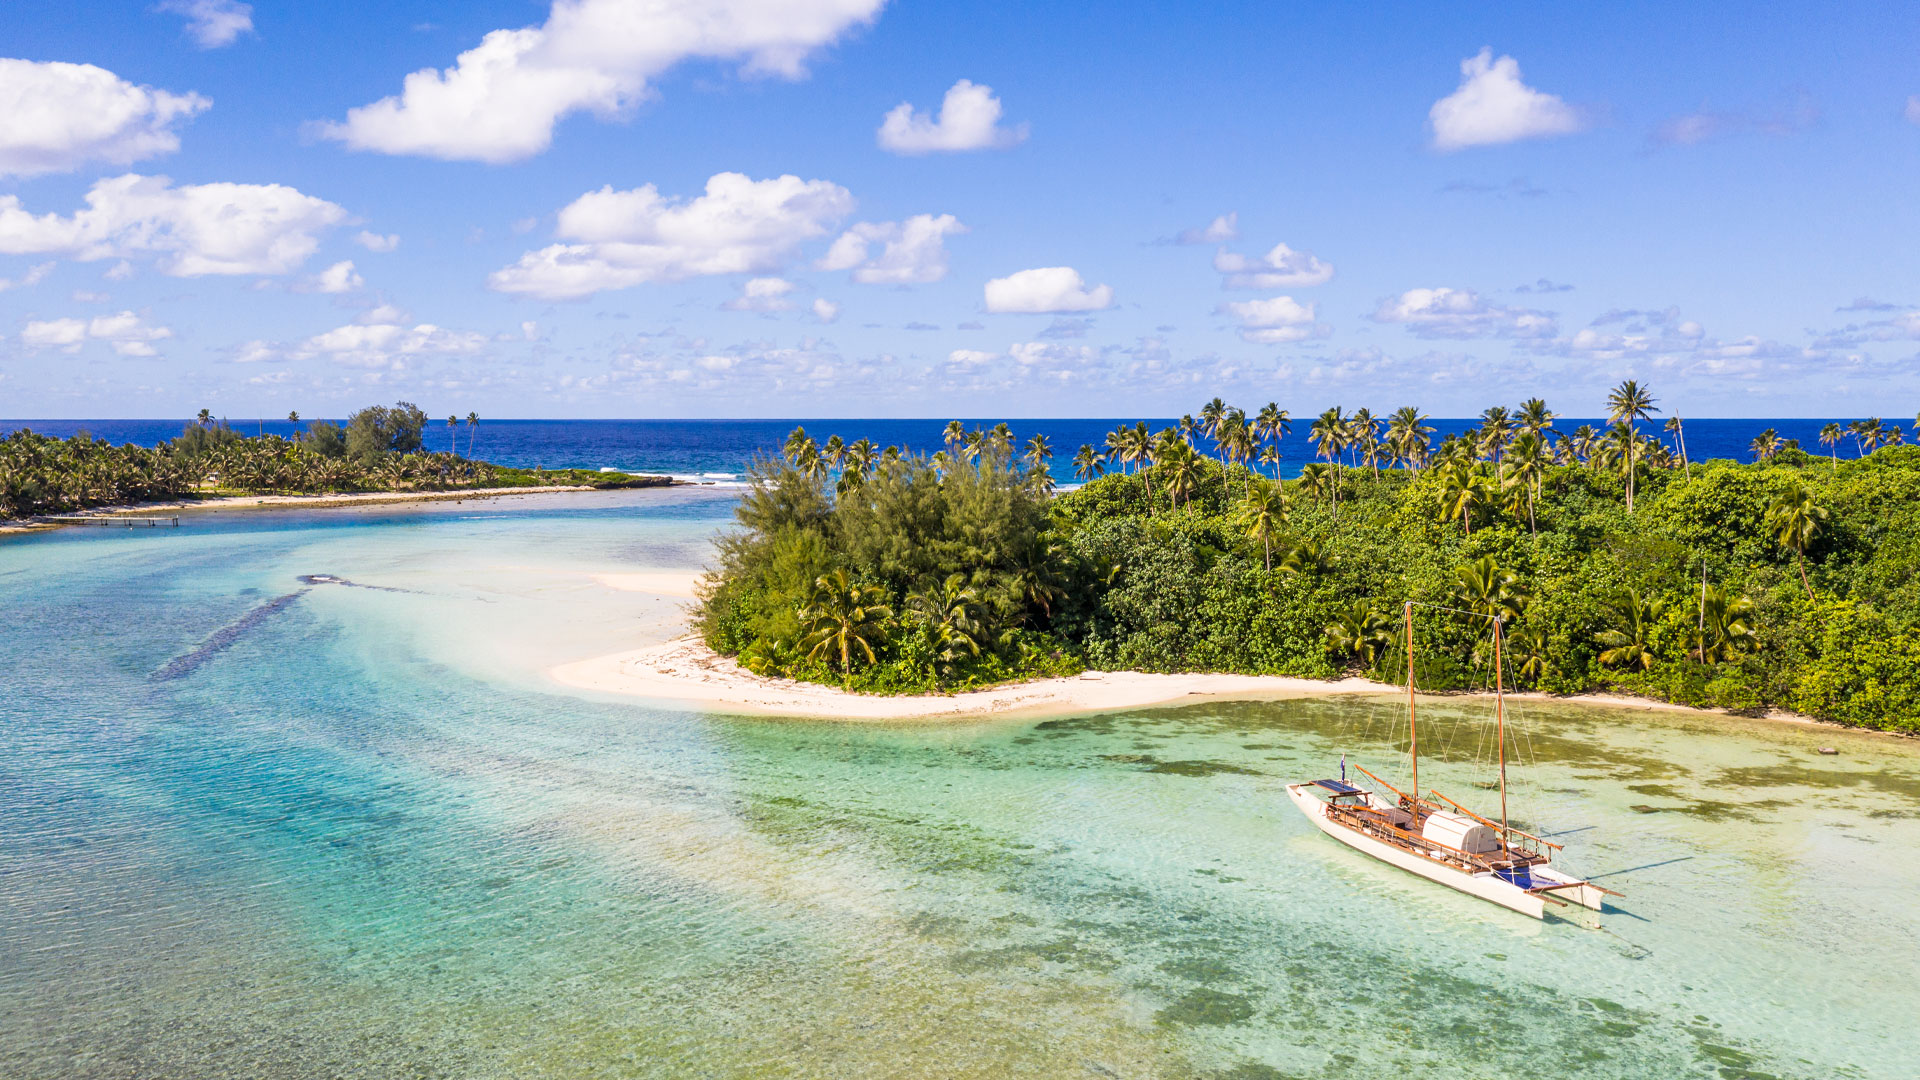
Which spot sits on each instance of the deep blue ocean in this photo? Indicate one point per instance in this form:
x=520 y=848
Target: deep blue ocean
x=722 y=449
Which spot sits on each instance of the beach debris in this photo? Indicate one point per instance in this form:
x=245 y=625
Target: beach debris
x=1829 y=751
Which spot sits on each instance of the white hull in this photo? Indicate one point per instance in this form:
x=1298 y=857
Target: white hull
x=1484 y=885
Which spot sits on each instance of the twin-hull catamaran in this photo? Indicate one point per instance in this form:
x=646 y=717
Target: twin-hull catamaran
x=1437 y=838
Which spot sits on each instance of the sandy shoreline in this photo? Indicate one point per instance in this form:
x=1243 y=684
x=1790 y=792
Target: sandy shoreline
x=685 y=671
x=290 y=502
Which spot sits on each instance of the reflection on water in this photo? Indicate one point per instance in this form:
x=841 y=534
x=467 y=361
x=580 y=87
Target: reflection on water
x=366 y=838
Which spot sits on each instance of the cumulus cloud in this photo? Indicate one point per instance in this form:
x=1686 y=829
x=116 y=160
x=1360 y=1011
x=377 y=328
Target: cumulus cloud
x=55 y=117
x=381 y=338
x=1461 y=313
x=501 y=99
x=127 y=333
x=825 y=310
x=913 y=252
x=1220 y=230
x=762 y=294
x=1276 y=321
x=212 y=24
x=627 y=238
x=1046 y=289
x=1492 y=106
x=1281 y=268
x=191 y=230
x=375 y=242
x=338 y=278
x=971 y=357
x=34 y=276
x=969 y=120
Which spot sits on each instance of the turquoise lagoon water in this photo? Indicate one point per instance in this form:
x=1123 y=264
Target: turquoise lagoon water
x=359 y=833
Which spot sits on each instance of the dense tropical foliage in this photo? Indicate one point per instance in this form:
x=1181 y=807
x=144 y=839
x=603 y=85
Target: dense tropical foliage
x=1613 y=561
x=379 y=449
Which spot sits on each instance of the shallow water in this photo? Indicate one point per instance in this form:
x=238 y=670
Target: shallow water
x=362 y=835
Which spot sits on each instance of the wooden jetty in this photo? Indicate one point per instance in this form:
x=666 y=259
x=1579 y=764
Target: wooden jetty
x=120 y=521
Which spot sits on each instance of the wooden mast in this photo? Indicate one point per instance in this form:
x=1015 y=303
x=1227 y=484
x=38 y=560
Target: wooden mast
x=1413 y=728
x=1500 y=726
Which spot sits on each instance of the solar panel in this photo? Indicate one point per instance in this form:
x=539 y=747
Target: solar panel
x=1340 y=787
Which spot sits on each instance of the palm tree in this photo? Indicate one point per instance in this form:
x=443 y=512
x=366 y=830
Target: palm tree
x=1088 y=463
x=1629 y=641
x=1679 y=434
x=952 y=615
x=1627 y=403
x=797 y=443
x=1039 y=450
x=1329 y=435
x=1263 y=512
x=1488 y=590
x=1496 y=427
x=205 y=418
x=1313 y=480
x=293 y=417
x=1210 y=415
x=843 y=618
x=1183 y=471
x=1270 y=456
x=1528 y=648
x=1830 y=437
x=834 y=451
x=1463 y=493
x=857 y=463
x=953 y=433
x=1868 y=433
x=473 y=427
x=1796 y=521
x=1362 y=632
x=1363 y=431
x=1273 y=423
x=1765 y=445
x=1534 y=416
x=1186 y=427
x=1528 y=456
x=1299 y=555
x=1407 y=434
x=453 y=437
x=1726 y=627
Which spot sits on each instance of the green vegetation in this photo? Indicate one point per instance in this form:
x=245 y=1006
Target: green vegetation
x=1615 y=563
x=379 y=449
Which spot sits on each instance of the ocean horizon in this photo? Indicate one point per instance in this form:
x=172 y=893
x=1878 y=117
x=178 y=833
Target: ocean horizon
x=722 y=450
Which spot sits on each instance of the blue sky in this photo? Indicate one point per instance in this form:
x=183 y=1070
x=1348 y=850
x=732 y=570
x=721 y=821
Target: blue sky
x=1475 y=207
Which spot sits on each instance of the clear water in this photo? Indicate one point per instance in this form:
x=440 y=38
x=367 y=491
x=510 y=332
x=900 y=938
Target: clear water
x=369 y=838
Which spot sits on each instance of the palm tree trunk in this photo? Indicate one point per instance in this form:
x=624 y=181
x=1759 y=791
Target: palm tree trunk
x=1801 y=558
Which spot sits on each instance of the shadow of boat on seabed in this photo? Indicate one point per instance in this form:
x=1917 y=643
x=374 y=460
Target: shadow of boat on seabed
x=186 y=663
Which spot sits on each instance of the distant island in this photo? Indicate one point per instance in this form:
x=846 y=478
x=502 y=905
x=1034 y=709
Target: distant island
x=378 y=449
x=1616 y=563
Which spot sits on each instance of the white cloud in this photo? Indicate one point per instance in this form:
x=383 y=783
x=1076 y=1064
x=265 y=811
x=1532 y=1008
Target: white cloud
x=255 y=351
x=1913 y=109
x=627 y=238
x=501 y=99
x=380 y=340
x=1218 y=231
x=1047 y=289
x=825 y=310
x=969 y=120
x=971 y=357
x=914 y=250
x=127 y=333
x=375 y=242
x=193 y=230
x=763 y=294
x=34 y=276
x=55 y=117
x=1493 y=106
x=1275 y=321
x=1461 y=313
x=338 y=278
x=212 y=23
x=1281 y=268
